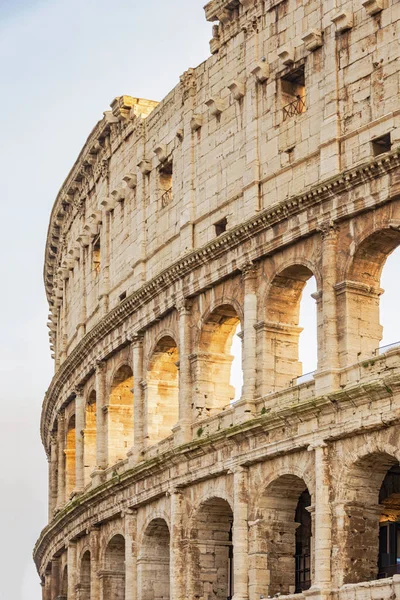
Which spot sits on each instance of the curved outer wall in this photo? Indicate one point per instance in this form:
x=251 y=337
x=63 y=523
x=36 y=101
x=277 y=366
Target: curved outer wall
x=274 y=161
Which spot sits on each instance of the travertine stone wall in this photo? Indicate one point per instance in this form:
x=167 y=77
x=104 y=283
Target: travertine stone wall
x=186 y=223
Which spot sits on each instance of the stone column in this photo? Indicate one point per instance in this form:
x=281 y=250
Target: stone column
x=55 y=579
x=322 y=520
x=101 y=417
x=46 y=590
x=105 y=264
x=327 y=377
x=138 y=399
x=94 y=543
x=53 y=460
x=83 y=294
x=72 y=570
x=177 y=555
x=79 y=439
x=183 y=433
x=240 y=534
x=61 y=459
x=130 y=531
x=249 y=337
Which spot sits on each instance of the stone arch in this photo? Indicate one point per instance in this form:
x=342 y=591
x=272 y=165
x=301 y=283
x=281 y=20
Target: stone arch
x=212 y=364
x=360 y=331
x=154 y=561
x=280 y=331
x=362 y=494
x=113 y=573
x=162 y=389
x=211 y=550
x=120 y=414
x=64 y=583
x=85 y=576
x=280 y=537
x=70 y=456
x=89 y=436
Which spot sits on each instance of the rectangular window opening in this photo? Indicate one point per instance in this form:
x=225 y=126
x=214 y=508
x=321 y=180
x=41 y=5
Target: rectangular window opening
x=96 y=254
x=122 y=296
x=165 y=175
x=221 y=226
x=293 y=93
x=381 y=144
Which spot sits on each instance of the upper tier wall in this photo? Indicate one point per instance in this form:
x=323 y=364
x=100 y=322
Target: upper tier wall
x=236 y=138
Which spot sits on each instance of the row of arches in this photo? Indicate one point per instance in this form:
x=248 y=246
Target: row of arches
x=281 y=542
x=216 y=364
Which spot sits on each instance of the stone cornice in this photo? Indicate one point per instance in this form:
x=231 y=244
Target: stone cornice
x=90 y=165
x=269 y=217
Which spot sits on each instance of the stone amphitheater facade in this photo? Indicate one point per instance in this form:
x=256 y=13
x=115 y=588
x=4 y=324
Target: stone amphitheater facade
x=274 y=161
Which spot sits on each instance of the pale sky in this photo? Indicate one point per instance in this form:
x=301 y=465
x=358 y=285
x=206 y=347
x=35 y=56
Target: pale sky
x=61 y=65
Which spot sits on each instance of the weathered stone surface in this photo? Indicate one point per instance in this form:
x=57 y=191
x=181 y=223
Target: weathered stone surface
x=182 y=224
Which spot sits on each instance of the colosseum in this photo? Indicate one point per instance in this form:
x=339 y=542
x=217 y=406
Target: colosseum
x=183 y=226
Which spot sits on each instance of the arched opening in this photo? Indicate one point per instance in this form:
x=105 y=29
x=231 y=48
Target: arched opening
x=217 y=386
x=281 y=538
x=89 y=437
x=120 y=415
x=162 y=390
x=372 y=490
x=64 y=584
x=285 y=342
x=84 y=577
x=360 y=329
x=389 y=525
x=236 y=379
x=389 y=302
x=212 y=551
x=154 y=562
x=113 y=576
x=70 y=461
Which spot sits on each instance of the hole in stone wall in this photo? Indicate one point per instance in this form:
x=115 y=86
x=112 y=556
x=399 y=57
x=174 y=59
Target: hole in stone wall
x=165 y=179
x=381 y=144
x=221 y=226
x=96 y=256
x=293 y=93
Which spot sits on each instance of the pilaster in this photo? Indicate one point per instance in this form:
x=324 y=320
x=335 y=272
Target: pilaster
x=130 y=530
x=177 y=554
x=61 y=459
x=72 y=570
x=322 y=521
x=53 y=460
x=327 y=376
x=79 y=438
x=249 y=277
x=240 y=533
x=101 y=417
x=138 y=400
x=183 y=431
